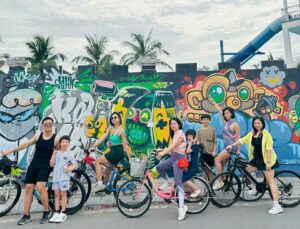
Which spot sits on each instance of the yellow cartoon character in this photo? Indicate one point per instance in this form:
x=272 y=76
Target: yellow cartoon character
x=95 y=127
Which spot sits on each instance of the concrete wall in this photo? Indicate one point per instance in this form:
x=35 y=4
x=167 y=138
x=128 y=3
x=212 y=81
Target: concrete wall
x=81 y=104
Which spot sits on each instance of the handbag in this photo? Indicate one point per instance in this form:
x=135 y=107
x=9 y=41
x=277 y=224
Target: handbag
x=183 y=163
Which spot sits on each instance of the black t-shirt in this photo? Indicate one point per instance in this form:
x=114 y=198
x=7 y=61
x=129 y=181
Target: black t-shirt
x=257 y=144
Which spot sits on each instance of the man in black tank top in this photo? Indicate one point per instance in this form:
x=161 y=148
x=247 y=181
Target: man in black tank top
x=39 y=169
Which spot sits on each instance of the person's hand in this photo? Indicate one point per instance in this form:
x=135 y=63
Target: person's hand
x=108 y=144
x=213 y=154
x=228 y=148
x=5 y=153
x=160 y=154
x=68 y=169
x=238 y=153
x=268 y=166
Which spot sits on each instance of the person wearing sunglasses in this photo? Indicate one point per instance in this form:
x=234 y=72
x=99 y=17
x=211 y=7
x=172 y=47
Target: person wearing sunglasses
x=39 y=169
x=118 y=146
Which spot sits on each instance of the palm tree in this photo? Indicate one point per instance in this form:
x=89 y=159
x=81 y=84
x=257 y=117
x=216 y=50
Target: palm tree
x=3 y=56
x=97 y=54
x=141 y=48
x=42 y=54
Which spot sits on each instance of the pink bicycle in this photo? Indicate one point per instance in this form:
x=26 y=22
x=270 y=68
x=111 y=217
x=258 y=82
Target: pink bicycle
x=135 y=196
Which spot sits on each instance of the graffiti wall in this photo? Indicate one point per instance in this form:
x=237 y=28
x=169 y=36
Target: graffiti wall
x=81 y=103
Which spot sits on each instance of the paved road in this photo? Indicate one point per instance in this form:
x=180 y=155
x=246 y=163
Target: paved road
x=241 y=216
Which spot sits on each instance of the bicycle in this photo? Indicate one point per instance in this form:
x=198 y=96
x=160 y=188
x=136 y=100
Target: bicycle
x=134 y=197
x=288 y=183
x=11 y=188
x=118 y=174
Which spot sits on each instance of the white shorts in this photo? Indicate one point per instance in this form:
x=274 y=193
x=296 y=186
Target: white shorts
x=61 y=185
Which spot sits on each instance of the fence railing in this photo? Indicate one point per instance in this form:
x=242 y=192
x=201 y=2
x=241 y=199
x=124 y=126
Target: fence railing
x=291 y=13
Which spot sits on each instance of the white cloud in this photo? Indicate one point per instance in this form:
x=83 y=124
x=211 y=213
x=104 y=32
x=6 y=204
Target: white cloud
x=189 y=29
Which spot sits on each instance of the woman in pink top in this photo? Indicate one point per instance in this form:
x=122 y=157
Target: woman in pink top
x=177 y=151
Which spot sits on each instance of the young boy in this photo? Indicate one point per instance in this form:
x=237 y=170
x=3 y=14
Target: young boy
x=64 y=163
x=207 y=137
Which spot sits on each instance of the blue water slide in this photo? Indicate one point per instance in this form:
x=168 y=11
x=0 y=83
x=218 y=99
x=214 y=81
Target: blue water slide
x=251 y=48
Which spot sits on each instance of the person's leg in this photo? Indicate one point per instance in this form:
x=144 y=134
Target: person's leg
x=163 y=167
x=274 y=190
x=98 y=165
x=28 y=198
x=57 y=200
x=64 y=200
x=182 y=209
x=108 y=172
x=42 y=190
x=220 y=161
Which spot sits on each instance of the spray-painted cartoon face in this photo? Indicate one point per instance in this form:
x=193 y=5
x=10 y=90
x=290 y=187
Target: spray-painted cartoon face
x=228 y=91
x=95 y=128
x=163 y=111
x=138 y=116
x=18 y=110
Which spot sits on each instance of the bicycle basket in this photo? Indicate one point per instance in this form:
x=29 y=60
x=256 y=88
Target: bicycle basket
x=5 y=165
x=137 y=167
x=242 y=163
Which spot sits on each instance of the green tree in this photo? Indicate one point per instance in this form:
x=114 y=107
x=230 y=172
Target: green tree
x=143 y=48
x=42 y=55
x=270 y=57
x=97 y=54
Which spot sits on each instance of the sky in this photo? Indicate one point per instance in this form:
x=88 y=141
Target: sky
x=190 y=30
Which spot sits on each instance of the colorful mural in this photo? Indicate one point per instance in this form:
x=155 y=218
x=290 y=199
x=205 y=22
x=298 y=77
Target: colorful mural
x=81 y=104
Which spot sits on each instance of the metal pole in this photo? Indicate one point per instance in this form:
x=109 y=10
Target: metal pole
x=222 y=50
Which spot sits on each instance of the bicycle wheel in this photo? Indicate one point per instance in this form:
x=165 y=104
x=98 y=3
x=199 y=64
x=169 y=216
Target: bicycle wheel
x=228 y=193
x=203 y=173
x=9 y=195
x=288 y=184
x=198 y=204
x=85 y=181
x=119 y=179
x=76 y=196
x=134 y=198
x=247 y=194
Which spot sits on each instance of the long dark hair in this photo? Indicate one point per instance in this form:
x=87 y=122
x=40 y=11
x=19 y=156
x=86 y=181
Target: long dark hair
x=179 y=124
x=119 y=116
x=262 y=121
x=230 y=109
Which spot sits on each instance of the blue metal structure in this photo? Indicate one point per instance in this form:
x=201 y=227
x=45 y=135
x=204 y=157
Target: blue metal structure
x=252 y=47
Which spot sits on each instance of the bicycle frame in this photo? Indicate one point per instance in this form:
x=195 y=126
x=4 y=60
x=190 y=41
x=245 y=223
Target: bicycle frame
x=170 y=194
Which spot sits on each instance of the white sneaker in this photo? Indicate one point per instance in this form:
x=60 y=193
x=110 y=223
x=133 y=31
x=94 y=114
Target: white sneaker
x=96 y=189
x=61 y=218
x=276 y=210
x=195 y=194
x=218 y=185
x=181 y=212
x=54 y=217
x=252 y=192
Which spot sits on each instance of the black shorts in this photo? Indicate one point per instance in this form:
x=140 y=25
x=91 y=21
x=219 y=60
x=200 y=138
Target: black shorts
x=209 y=159
x=38 y=172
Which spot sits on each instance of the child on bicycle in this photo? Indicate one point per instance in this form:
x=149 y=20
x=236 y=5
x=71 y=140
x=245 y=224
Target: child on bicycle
x=192 y=151
x=64 y=163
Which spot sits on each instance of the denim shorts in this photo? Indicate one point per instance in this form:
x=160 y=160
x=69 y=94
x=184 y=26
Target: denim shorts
x=61 y=185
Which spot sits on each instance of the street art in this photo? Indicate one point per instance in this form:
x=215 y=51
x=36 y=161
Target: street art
x=81 y=104
x=271 y=76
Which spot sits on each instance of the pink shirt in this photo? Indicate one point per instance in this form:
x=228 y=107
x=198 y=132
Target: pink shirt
x=181 y=147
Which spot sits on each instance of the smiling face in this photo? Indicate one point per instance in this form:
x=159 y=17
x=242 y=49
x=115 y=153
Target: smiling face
x=174 y=126
x=64 y=144
x=115 y=120
x=227 y=115
x=47 y=126
x=258 y=125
